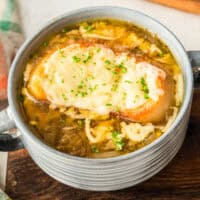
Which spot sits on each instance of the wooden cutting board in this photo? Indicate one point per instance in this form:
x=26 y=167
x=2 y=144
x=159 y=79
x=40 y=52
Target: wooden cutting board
x=192 y=6
x=179 y=180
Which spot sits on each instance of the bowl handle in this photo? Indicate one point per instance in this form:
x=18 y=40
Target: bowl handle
x=9 y=134
x=194 y=57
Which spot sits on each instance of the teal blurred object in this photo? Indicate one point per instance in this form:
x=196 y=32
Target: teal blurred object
x=4 y=196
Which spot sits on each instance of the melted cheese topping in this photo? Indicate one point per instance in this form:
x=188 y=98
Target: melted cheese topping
x=97 y=79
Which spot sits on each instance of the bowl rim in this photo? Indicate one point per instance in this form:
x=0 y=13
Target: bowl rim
x=23 y=127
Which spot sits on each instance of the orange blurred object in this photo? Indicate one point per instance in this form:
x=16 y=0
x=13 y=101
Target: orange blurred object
x=192 y=6
x=3 y=73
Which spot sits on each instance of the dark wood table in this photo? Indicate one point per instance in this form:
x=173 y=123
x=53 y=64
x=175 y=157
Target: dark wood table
x=179 y=180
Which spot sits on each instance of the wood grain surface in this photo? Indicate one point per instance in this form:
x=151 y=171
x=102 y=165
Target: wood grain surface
x=180 y=180
x=192 y=6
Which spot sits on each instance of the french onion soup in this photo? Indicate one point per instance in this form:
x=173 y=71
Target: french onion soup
x=101 y=88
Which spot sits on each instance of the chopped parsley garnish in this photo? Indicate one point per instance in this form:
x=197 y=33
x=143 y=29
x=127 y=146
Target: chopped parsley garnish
x=136 y=98
x=98 y=50
x=124 y=96
x=88 y=57
x=76 y=59
x=144 y=87
x=90 y=77
x=81 y=89
x=108 y=68
x=45 y=44
x=80 y=122
x=88 y=28
x=64 y=97
x=117 y=108
x=114 y=87
x=51 y=80
x=81 y=93
x=62 y=81
x=62 y=53
x=92 y=89
x=64 y=30
x=108 y=104
x=146 y=96
x=94 y=149
x=114 y=73
x=122 y=67
x=127 y=81
x=84 y=88
x=107 y=62
x=117 y=140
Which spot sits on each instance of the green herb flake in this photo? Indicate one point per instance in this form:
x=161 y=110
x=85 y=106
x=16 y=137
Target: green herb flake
x=51 y=80
x=114 y=73
x=124 y=96
x=76 y=59
x=87 y=59
x=90 y=77
x=64 y=30
x=92 y=89
x=117 y=108
x=161 y=54
x=88 y=28
x=115 y=134
x=81 y=94
x=128 y=81
x=117 y=140
x=45 y=44
x=122 y=67
x=62 y=81
x=98 y=50
x=64 y=97
x=114 y=87
x=80 y=122
x=107 y=62
x=108 y=104
x=94 y=149
x=144 y=87
x=135 y=98
x=62 y=53
x=95 y=87
x=146 y=96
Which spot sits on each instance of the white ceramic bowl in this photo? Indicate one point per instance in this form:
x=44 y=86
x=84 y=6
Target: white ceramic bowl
x=109 y=173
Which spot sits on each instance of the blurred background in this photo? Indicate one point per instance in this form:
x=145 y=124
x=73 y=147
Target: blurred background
x=186 y=26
